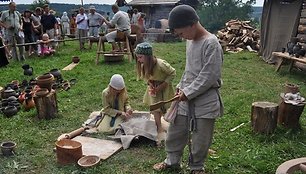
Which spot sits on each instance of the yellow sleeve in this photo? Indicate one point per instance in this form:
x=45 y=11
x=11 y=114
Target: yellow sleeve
x=169 y=70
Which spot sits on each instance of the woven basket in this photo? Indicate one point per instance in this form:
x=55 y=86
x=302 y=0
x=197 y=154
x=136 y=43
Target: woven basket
x=68 y=151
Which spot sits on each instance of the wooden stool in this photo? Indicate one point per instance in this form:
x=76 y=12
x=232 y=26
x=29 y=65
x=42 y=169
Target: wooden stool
x=46 y=106
x=121 y=39
x=264 y=117
x=292 y=166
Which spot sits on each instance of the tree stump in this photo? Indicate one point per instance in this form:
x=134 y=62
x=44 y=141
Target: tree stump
x=289 y=114
x=46 y=106
x=264 y=117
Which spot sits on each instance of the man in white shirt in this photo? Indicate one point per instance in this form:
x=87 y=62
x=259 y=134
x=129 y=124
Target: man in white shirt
x=82 y=26
x=121 y=21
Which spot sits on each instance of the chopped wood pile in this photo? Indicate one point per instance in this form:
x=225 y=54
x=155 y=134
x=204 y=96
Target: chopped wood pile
x=239 y=35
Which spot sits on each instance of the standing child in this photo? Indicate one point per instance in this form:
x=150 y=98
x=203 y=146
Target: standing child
x=116 y=108
x=159 y=75
x=200 y=102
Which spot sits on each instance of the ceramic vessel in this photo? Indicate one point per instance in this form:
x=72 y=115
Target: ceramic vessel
x=56 y=73
x=45 y=81
x=291 y=88
x=9 y=92
x=28 y=102
x=8 y=148
x=9 y=111
x=291 y=44
x=27 y=70
x=75 y=59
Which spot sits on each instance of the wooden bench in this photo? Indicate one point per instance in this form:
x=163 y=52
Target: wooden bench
x=292 y=59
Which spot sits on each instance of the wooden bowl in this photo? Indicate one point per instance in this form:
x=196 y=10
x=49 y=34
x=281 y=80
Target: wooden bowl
x=88 y=161
x=113 y=57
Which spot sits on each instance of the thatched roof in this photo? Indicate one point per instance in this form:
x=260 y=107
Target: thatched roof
x=153 y=2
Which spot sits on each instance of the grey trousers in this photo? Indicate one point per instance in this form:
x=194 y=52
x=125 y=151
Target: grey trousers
x=177 y=139
x=14 y=38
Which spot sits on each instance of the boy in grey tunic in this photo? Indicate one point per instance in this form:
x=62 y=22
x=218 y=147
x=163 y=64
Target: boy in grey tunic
x=198 y=90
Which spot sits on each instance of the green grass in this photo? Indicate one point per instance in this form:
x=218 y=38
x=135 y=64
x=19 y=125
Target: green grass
x=246 y=79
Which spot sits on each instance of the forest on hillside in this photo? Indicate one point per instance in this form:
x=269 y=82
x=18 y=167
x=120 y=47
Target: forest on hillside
x=101 y=8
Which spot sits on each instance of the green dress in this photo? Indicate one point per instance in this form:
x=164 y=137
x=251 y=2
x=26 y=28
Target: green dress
x=162 y=72
x=109 y=112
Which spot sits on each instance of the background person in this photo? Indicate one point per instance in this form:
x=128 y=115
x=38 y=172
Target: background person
x=82 y=26
x=65 y=21
x=121 y=21
x=28 y=27
x=12 y=22
x=49 y=24
x=95 y=20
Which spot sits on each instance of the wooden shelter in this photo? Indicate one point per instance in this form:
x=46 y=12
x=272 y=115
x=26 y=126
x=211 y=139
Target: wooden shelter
x=156 y=10
x=280 y=21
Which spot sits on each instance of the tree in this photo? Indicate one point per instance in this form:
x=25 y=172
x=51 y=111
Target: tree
x=39 y=3
x=215 y=13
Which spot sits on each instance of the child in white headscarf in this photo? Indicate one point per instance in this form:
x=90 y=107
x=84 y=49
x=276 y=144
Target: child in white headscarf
x=116 y=108
x=65 y=24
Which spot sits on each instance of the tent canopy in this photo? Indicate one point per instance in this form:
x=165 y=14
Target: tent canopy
x=279 y=22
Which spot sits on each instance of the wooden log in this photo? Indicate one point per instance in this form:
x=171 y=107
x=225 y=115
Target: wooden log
x=264 y=117
x=46 y=106
x=289 y=114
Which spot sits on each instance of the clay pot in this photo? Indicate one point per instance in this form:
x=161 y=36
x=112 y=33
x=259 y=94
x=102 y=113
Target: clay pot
x=42 y=92
x=75 y=59
x=291 y=44
x=12 y=98
x=45 y=81
x=27 y=70
x=4 y=102
x=28 y=102
x=9 y=111
x=56 y=73
x=283 y=50
x=291 y=88
x=8 y=148
x=9 y=92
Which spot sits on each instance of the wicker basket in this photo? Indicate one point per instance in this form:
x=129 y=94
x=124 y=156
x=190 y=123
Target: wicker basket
x=113 y=57
x=68 y=151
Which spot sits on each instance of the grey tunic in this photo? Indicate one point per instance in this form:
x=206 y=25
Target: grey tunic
x=202 y=78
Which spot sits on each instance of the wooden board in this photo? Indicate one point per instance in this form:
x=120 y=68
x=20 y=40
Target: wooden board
x=70 y=66
x=102 y=148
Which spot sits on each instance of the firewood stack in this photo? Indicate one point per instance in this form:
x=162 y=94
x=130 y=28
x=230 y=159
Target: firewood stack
x=239 y=35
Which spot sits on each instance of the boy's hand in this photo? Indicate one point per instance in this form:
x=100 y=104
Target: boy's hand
x=182 y=96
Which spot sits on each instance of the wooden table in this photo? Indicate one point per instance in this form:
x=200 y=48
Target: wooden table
x=292 y=59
